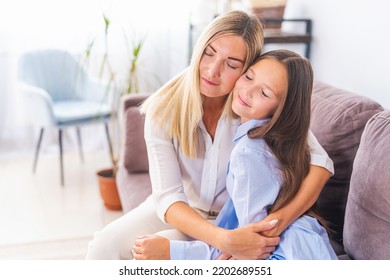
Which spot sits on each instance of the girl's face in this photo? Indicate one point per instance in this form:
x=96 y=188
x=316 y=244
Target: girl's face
x=221 y=65
x=259 y=90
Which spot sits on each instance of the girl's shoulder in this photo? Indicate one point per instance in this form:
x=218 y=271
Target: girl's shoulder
x=248 y=147
x=255 y=144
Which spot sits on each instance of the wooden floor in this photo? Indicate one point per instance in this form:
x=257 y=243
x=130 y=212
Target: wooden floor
x=36 y=208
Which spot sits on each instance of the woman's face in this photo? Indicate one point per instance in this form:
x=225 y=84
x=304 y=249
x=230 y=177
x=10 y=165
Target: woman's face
x=221 y=65
x=259 y=90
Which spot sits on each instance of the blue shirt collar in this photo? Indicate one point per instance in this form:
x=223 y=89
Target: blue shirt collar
x=243 y=128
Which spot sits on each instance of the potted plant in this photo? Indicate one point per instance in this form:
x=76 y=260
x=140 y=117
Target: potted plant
x=119 y=82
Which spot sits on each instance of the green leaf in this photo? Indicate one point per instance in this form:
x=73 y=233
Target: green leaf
x=106 y=23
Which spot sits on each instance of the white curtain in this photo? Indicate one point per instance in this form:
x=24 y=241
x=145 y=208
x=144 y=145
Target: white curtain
x=71 y=24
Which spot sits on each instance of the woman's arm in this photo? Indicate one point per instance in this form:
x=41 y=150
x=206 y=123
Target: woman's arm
x=307 y=195
x=243 y=242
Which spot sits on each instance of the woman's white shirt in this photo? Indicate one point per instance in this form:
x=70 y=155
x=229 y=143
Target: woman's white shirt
x=200 y=182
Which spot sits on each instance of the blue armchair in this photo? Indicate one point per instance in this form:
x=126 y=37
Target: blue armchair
x=60 y=93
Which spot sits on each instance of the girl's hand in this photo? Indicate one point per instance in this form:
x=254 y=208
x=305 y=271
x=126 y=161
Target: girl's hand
x=247 y=242
x=151 y=247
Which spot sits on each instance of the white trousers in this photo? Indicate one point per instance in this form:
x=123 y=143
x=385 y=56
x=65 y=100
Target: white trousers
x=115 y=241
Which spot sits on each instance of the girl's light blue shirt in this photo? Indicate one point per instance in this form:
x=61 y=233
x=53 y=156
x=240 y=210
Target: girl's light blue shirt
x=253 y=183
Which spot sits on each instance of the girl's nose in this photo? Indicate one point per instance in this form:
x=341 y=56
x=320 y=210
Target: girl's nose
x=249 y=92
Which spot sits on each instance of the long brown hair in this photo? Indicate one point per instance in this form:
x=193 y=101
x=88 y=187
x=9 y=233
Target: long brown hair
x=287 y=131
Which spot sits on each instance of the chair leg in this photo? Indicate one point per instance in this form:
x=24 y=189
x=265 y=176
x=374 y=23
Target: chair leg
x=37 y=149
x=80 y=144
x=61 y=158
x=109 y=142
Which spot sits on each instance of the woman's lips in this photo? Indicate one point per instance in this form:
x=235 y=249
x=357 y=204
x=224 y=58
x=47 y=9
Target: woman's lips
x=208 y=82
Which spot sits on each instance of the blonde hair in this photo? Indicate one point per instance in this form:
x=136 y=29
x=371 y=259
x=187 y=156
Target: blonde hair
x=178 y=104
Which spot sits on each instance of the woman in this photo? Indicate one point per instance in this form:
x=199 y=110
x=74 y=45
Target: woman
x=268 y=163
x=188 y=135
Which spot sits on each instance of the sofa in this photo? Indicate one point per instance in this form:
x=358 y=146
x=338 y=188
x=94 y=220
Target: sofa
x=355 y=132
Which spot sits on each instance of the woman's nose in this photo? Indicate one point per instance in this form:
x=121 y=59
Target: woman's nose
x=215 y=69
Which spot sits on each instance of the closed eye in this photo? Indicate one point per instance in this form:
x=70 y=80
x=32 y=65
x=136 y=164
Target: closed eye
x=232 y=66
x=248 y=78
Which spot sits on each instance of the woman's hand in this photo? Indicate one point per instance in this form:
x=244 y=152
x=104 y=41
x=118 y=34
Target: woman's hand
x=278 y=228
x=247 y=242
x=225 y=256
x=151 y=247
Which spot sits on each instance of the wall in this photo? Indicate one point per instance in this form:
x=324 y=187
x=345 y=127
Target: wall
x=351 y=43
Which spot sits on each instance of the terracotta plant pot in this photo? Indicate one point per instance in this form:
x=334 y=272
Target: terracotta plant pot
x=108 y=189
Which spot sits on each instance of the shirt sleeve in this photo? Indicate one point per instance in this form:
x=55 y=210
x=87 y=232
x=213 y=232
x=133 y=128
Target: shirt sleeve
x=256 y=183
x=164 y=168
x=319 y=156
x=192 y=250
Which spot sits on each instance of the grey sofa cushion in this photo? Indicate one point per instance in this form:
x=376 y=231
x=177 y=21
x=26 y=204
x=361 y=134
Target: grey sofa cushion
x=133 y=188
x=367 y=217
x=135 y=155
x=338 y=120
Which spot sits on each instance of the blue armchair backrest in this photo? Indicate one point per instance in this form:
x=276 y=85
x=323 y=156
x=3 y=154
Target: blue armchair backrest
x=56 y=71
